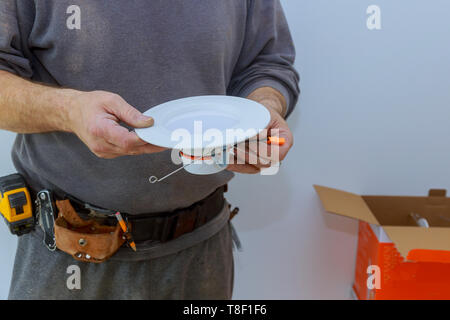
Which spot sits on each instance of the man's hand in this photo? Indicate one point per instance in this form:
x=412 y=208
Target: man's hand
x=276 y=104
x=28 y=107
x=94 y=117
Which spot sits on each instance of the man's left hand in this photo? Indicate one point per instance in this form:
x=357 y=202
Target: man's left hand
x=278 y=127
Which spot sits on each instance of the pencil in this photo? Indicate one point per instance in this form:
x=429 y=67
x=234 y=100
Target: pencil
x=276 y=140
x=125 y=229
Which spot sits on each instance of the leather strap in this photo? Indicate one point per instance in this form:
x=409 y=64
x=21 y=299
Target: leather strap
x=85 y=240
x=173 y=225
x=166 y=226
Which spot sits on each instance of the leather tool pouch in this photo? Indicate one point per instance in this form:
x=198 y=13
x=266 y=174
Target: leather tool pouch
x=85 y=240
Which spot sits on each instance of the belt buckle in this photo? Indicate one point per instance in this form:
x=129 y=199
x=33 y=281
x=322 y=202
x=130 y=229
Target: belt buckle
x=46 y=213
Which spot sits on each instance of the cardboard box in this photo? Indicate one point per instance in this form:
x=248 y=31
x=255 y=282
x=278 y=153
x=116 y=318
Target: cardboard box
x=413 y=262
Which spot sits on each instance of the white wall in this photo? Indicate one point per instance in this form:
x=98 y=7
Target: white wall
x=7 y=241
x=373 y=119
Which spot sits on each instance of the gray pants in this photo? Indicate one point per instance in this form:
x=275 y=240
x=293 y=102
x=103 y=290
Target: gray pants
x=202 y=271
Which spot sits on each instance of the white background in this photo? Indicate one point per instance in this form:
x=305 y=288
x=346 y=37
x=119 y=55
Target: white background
x=373 y=119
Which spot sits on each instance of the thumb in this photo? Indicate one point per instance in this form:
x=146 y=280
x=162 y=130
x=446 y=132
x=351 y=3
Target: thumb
x=131 y=116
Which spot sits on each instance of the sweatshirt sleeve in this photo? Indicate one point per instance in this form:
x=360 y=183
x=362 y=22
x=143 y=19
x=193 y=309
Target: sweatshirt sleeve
x=12 y=57
x=267 y=55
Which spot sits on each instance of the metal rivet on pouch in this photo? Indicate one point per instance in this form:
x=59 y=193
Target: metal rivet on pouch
x=82 y=242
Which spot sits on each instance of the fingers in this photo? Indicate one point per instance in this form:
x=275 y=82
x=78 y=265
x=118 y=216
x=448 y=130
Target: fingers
x=259 y=153
x=104 y=149
x=128 y=114
x=121 y=137
x=244 y=154
x=277 y=152
x=243 y=168
x=113 y=140
x=146 y=149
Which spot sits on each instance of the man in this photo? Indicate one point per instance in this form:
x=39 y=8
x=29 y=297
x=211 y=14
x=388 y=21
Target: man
x=77 y=75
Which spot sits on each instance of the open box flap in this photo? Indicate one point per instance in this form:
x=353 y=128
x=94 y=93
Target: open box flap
x=345 y=203
x=411 y=241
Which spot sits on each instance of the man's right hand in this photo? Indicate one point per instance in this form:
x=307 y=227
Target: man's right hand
x=94 y=117
x=28 y=107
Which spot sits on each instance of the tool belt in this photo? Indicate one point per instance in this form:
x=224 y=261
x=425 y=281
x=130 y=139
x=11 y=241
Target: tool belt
x=92 y=234
x=164 y=226
x=85 y=240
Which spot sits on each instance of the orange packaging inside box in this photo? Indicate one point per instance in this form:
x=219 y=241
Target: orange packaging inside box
x=412 y=258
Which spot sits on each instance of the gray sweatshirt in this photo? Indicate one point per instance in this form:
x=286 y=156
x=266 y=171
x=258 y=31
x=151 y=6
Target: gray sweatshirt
x=149 y=52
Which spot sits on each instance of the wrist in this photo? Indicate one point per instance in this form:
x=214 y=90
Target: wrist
x=65 y=107
x=273 y=106
x=272 y=99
